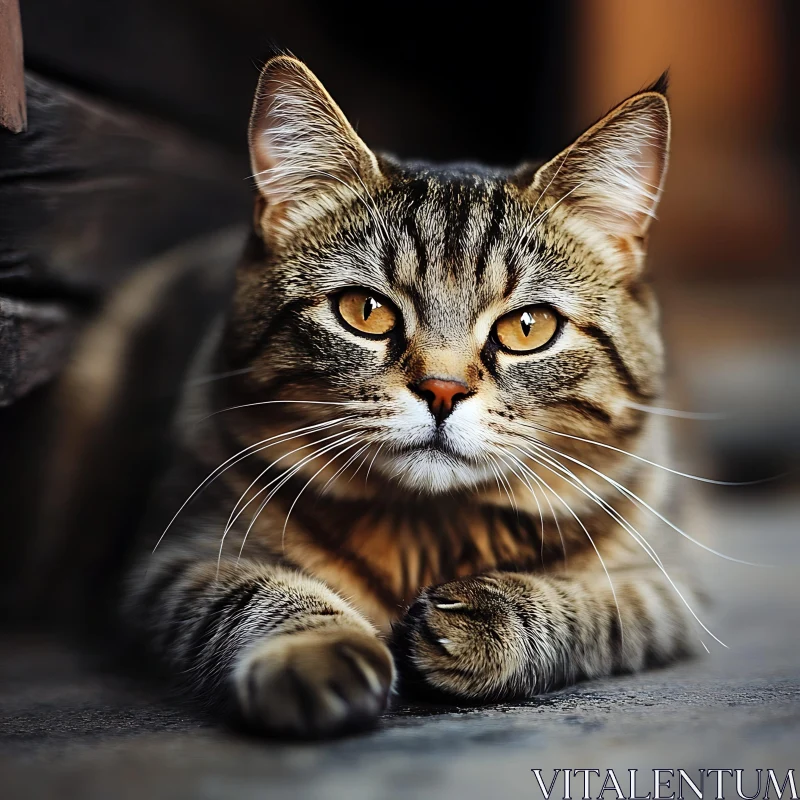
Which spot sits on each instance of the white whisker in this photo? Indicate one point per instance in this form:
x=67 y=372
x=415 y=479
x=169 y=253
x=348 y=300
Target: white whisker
x=282 y=480
x=240 y=456
x=576 y=482
x=308 y=483
x=296 y=168
x=530 y=226
x=558 y=202
x=658 y=563
x=592 y=542
x=363 y=461
x=378 y=214
x=344 y=467
x=219 y=376
x=352 y=403
x=634 y=497
x=234 y=515
x=509 y=490
x=647 y=460
x=553 y=515
x=673 y=412
x=369 y=468
x=555 y=175
x=276 y=461
x=524 y=479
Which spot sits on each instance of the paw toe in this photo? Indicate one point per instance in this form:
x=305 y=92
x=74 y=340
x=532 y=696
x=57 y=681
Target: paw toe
x=460 y=639
x=315 y=684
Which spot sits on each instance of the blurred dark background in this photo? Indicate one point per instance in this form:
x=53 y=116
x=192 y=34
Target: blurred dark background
x=135 y=146
x=419 y=79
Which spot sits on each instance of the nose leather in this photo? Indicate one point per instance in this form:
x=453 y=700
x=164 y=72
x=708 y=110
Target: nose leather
x=441 y=395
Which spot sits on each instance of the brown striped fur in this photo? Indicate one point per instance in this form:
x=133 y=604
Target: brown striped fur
x=492 y=570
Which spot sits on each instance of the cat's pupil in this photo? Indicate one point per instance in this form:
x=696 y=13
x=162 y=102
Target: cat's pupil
x=526 y=322
x=370 y=304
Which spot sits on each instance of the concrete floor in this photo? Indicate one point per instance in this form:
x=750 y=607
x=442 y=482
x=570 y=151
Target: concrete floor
x=68 y=731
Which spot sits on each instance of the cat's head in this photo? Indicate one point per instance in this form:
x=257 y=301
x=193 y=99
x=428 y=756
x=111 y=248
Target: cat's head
x=454 y=311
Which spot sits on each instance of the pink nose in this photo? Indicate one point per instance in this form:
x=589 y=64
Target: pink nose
x=441 y=396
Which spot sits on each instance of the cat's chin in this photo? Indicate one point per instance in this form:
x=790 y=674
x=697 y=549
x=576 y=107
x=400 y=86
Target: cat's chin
x=433 y=471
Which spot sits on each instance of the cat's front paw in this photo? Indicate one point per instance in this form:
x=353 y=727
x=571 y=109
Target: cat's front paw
x=462 y=640
x=314 y=683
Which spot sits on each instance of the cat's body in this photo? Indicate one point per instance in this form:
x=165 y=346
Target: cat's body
x=393 y=461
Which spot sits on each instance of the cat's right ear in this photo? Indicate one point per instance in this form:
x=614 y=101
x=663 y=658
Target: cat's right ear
x=612 y=177
x=305 y=155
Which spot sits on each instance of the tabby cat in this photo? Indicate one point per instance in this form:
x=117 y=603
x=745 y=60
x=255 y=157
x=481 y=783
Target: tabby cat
x=424 y=459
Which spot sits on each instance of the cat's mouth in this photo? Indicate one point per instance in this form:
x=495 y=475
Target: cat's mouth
x=434 y=468
x=434 y=464
x=438 y=443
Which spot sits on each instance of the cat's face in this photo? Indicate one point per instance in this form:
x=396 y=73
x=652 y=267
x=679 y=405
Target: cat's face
x=454 y=312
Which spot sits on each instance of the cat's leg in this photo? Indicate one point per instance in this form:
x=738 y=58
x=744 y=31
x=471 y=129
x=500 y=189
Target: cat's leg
x=514 y=635
x=273 y=648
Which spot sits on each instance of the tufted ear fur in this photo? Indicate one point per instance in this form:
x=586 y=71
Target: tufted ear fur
x=304 y=153
x=613 y=175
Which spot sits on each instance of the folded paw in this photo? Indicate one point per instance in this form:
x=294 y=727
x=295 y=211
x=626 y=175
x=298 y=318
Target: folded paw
x=314 y=683
x=463 y=639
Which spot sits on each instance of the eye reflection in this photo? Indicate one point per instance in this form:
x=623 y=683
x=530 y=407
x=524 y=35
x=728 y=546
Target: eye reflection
x=526 y=329
x=369 y=306
x=367 y=312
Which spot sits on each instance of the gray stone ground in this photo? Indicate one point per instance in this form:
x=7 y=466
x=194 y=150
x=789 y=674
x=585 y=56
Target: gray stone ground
x=66 y=731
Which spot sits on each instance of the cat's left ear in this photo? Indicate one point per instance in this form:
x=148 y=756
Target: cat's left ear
x=612 y=176
x=305 y=155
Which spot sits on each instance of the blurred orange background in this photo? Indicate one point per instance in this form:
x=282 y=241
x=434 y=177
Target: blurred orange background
x=729 y=203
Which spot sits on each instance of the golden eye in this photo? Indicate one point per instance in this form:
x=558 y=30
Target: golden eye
x=527 y=329
x=367 y=312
